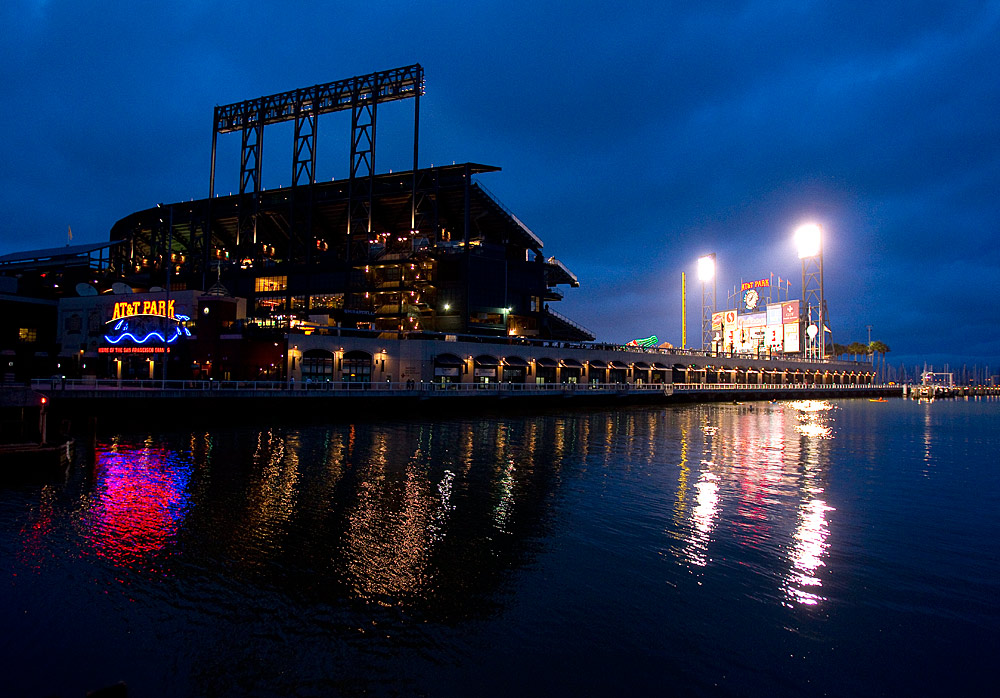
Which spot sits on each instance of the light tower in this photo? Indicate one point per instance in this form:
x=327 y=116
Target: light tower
x=809 y=239
x=706 y=274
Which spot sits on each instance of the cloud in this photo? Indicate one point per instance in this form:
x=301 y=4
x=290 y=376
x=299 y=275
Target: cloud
x=632 y=139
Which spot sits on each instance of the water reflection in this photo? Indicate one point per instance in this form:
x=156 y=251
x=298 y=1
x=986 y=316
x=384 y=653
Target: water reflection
x=703 y=515
x=138 y=501
x=430 y=516
x=802 y=583
x=760 y=486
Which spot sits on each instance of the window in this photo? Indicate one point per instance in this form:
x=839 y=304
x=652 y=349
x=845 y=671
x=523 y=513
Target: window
x=272 y=304
x=357 y=367
x=326 y=301
x=270 y=284
x=27 y=335
x=74 y=324
x=317 y=366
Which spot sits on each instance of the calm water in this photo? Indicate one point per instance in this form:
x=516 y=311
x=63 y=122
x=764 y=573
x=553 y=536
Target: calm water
x=847 y=548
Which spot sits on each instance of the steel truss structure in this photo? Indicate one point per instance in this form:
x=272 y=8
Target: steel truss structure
x=428 y=249
x=361 y=95
x=708 y=310
x=815 y=305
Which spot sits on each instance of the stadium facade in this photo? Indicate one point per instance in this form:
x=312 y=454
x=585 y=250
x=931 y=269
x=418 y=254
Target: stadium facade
x=422 y=275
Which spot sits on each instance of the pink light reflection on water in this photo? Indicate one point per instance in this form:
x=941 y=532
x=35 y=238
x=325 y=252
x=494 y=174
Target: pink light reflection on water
x=137 y=504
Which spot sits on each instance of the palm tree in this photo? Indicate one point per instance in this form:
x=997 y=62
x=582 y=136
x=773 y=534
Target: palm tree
x=855 y=349
x=838 y=350
x=882 y=348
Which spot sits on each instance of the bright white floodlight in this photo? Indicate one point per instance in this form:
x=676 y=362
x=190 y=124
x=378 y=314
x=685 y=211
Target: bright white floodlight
x=807 y=237
x=706 y=267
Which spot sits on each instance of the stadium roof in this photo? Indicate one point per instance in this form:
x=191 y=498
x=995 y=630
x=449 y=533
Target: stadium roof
x=67 y=256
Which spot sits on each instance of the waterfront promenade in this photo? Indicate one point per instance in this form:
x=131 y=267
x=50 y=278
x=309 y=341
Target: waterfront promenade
x=215 y=399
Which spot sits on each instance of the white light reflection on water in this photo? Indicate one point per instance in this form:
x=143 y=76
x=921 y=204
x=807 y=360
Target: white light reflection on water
x=812 y=420
x=704 y=516
x=928 y=438
x=810 y=547
x=760 y=485
x=808 y=552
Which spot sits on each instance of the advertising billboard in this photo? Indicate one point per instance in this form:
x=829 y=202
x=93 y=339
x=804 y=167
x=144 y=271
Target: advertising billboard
x=774 y=316
x=792 y=344
x=718 y=319
x=750 y=339
x=775 y=337
x=790 y=312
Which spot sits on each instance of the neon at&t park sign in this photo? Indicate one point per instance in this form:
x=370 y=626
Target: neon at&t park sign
x=759 y=283
x=144 y=323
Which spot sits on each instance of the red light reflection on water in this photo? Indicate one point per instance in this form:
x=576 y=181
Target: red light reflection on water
x=139 y=499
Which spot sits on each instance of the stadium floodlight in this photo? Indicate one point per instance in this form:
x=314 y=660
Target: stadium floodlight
x=706 y=268
x=808 y=237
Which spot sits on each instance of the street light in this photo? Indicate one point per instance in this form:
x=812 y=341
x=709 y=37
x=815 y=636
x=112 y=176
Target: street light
x=809 y=239
x=706 y=274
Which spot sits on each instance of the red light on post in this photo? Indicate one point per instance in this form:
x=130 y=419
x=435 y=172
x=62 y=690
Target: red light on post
x=44 y=400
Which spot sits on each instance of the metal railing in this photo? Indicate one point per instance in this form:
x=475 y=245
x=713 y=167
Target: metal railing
x=557 y=344
x=257 y=386
x=695 y=387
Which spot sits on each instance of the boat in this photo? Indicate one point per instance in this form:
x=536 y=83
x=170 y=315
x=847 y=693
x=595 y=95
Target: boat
x=877 y=399
x=32 y=461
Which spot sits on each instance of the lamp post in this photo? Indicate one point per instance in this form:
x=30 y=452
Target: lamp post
x=809 y=239
x=706 y=273
x=168 y=266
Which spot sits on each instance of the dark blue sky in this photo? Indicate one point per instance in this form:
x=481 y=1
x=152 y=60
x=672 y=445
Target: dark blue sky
x=632 y=140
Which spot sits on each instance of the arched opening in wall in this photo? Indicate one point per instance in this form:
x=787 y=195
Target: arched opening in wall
x=448 y=368
x=640 y=372
x=356 y=367
x=515 y=369
x=678 y=373
x=598 y=371
x=617 y=372
x=485 y=369
x=545 y=370
x=572 y=371
x=318 y=366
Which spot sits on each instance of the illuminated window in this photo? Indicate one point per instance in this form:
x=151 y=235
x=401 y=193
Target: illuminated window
x=317 y=366
x=298 y=303
x=270 y=303
x=28 y=335
x=326 y=301
x=270 y=284
x=357 y=367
